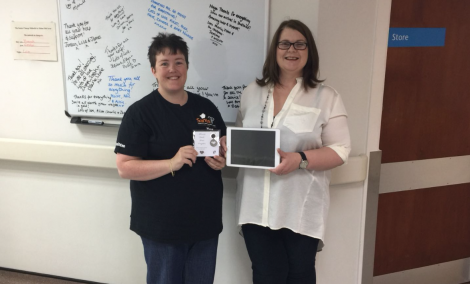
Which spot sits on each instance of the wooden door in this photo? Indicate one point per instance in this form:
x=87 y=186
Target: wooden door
x=426 y=116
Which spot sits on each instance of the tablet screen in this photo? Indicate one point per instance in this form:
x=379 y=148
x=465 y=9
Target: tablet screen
x=252 y=147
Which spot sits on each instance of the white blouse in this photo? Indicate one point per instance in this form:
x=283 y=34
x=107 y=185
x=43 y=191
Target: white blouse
x=308 y=120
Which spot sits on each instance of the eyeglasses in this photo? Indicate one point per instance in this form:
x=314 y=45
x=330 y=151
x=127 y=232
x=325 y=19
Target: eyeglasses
x=285 y=45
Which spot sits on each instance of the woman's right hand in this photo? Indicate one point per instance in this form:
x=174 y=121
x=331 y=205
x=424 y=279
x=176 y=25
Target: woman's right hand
x=290 y=162
x=186 y=155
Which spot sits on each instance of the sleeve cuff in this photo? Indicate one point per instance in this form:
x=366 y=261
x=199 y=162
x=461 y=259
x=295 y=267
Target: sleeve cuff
x=342 y=152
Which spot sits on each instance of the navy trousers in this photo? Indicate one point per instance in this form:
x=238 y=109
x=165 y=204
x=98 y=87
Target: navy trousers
x=187 y=263
x=280 y=256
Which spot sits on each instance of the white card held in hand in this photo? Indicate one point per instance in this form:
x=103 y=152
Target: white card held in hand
x=206 y=142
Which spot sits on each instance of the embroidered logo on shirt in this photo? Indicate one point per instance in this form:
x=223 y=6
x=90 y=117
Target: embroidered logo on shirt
x=120 y=145
x=206 y=121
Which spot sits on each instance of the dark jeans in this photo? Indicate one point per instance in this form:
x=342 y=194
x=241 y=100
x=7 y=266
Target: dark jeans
x=280 y=256
x=188 y=263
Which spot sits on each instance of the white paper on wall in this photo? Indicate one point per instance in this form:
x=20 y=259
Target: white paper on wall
x=34 y=41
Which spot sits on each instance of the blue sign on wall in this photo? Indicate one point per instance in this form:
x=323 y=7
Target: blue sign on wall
x=415 y=37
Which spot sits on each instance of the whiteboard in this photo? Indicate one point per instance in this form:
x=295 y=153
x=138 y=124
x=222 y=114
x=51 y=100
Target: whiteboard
x=105 y=44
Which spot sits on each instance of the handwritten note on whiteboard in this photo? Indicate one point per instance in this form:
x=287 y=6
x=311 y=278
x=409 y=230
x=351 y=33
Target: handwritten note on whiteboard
x=34 y=41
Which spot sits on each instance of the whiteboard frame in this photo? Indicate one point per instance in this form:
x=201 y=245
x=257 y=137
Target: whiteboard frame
x=116 y=120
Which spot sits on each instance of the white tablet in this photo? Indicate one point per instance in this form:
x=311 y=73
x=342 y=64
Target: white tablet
x=253 y=147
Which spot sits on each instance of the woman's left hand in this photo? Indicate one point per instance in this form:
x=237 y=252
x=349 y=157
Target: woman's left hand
x=290 y=162
x=216 y=162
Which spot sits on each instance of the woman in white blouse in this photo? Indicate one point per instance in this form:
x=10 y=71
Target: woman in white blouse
x=283 y=211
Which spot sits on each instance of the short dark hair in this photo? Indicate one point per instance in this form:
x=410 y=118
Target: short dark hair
x=163 y=41
x=311 y=68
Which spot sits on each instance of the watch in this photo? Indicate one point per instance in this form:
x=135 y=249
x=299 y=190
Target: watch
x=304 y=162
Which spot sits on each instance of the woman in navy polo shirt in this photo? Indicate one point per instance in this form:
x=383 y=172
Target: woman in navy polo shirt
x=176 y=196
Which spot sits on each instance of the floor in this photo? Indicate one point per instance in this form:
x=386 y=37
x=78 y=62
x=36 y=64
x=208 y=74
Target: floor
x=9 y=277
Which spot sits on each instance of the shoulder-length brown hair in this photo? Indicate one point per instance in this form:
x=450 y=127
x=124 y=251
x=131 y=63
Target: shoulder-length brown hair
x=310 y=71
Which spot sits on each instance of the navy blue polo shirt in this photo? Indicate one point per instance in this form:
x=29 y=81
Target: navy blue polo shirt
x=188 y=206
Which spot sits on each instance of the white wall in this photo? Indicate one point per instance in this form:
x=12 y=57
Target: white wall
x=346 y=42
x=73 y=222
x=70 y=222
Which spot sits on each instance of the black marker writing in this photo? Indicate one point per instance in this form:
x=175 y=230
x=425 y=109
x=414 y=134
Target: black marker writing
x=86 y=75
x=223 y=22
x=119 y=20
x=74 y=4
x=78 y=35
x=202 y=91
x=119 y=55
x=232 y=95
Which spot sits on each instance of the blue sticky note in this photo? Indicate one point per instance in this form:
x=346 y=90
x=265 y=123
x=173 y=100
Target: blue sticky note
x=416 y=37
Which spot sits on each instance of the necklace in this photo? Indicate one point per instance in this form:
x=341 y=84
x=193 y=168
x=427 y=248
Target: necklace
x=264 y=109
